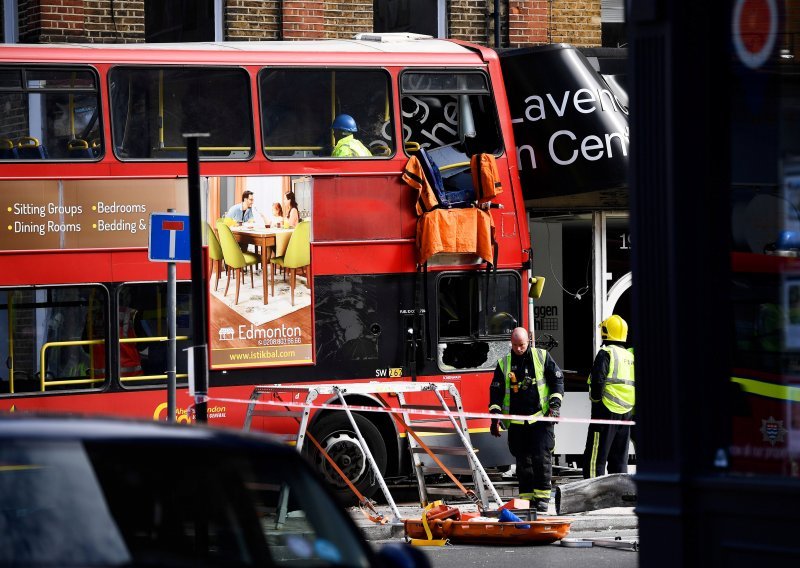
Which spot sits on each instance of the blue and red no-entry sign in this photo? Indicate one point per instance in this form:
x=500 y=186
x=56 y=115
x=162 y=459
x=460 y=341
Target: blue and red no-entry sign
x=169 y=238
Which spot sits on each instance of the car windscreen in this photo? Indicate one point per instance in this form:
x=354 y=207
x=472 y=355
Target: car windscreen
x=130 y=503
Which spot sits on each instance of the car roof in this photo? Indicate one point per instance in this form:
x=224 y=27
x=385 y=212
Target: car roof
x=84 y=428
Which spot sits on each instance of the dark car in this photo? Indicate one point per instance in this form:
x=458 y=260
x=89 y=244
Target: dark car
x=102 y=492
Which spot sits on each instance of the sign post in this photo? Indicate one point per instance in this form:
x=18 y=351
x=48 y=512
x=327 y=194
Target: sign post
x=199 y=282
x=169 y=242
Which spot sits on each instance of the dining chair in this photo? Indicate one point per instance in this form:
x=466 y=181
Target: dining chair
x=215 y=254
x=297 y=256
x=234 y=258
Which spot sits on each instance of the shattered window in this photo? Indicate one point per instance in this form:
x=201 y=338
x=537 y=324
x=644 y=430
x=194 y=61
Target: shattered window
x=476 y=313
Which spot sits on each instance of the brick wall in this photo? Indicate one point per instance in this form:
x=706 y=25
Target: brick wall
x=527 y=22
x=303 y=19
x=29 y=24
x=343 y=20
x=117 y=22
x=252 y=20
x=576 y=22
x=524 y=22
x=468 y=20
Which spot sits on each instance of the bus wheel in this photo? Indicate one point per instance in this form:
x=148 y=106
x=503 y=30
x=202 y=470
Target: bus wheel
x=335 y=434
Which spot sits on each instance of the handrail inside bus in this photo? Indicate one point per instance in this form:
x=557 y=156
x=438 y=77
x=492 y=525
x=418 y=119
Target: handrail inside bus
x=455 y=165
x=43 y=374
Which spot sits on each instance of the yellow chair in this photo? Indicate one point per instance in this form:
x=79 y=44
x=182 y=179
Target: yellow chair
x=215 y=254
x=234 y=258
x=298 y=255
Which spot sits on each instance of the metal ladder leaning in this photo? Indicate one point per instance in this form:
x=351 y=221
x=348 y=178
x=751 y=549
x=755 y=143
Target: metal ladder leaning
x=484 y=489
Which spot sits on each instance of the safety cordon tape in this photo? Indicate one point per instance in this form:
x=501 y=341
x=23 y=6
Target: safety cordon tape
x=422 y=412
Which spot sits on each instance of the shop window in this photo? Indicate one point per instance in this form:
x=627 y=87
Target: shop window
x=476 y=313
x=298 y=107
x=151 y=109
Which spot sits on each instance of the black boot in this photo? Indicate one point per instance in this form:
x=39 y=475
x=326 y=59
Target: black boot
x=541 y=505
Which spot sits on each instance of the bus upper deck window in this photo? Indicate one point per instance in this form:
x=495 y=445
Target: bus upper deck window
x=151 y=109
x=300 y=106
x=51 y=114
x=450 y=109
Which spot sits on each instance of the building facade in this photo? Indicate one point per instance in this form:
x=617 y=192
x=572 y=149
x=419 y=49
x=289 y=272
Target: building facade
x=495 y=23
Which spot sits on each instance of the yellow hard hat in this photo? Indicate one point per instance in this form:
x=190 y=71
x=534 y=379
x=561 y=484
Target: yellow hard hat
x=614 y=329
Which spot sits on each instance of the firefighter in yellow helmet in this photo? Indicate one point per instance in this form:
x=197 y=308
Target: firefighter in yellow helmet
x=528 y=382
x=612 y=392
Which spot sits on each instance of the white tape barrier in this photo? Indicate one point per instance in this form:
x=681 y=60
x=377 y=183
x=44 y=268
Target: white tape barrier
x=420 y=412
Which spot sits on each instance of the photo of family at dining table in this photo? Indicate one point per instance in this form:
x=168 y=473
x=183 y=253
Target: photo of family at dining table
x=259 y=246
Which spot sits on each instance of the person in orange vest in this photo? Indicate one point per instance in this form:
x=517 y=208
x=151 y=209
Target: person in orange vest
x=130 y=360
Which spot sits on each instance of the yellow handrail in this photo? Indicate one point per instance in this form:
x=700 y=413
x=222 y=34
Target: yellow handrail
x=42 y=369
x=43 y=365
x=451 y=166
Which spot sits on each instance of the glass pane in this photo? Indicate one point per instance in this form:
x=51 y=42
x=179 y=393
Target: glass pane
x=432 y=122
x=54 y=511
x=476 y=315
x=56 y=116
x=298 y=108
x=59 y=79
x=10 y=79
x=430 y=83
x=158 y=516
x=152 y=108
x=765 y=221
x=142 y=320
x=62 y=326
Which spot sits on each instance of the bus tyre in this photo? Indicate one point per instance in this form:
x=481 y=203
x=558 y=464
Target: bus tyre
x=335 y=433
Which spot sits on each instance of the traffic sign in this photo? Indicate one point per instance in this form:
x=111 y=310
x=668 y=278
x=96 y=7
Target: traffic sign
x=169 y=238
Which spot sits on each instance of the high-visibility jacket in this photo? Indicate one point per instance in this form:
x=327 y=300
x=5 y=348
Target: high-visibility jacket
x=349 y=147
x=619 y=389
x=539 y=357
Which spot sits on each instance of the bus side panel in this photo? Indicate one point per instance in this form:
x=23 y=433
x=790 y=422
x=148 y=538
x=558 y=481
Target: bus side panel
x=70 y=266
x=363 y=208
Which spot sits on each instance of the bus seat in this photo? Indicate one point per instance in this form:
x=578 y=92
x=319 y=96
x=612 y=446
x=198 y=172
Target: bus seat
x=29 y=148
x=79 y=148
x=97 y=147
x=8 y=150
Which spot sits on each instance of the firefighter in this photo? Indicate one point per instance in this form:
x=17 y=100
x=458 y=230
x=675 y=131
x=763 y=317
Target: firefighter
x=528 y=382
x=612 y=392
x=344 y=130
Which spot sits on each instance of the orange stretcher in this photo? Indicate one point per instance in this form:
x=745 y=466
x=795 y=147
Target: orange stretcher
x=543 y=530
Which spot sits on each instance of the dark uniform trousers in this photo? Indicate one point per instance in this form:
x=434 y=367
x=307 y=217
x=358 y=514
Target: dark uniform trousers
x=606 y=443
x=532 y=445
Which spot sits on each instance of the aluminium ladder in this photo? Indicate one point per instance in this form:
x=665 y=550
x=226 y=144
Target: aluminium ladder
x=337 y=394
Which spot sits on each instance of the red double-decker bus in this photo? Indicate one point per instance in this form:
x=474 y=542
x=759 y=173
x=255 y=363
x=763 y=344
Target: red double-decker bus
x=91 y=144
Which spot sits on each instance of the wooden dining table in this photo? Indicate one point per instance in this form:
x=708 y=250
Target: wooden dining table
x=273 y=241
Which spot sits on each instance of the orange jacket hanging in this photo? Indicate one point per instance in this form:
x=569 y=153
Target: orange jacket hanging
x=414 y=175
x=485 y=177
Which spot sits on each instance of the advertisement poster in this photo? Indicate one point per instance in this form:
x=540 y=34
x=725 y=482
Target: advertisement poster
x=269 y=324
x=84 y=214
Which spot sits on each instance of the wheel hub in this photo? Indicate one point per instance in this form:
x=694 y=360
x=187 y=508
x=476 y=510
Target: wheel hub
x=346 y=452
